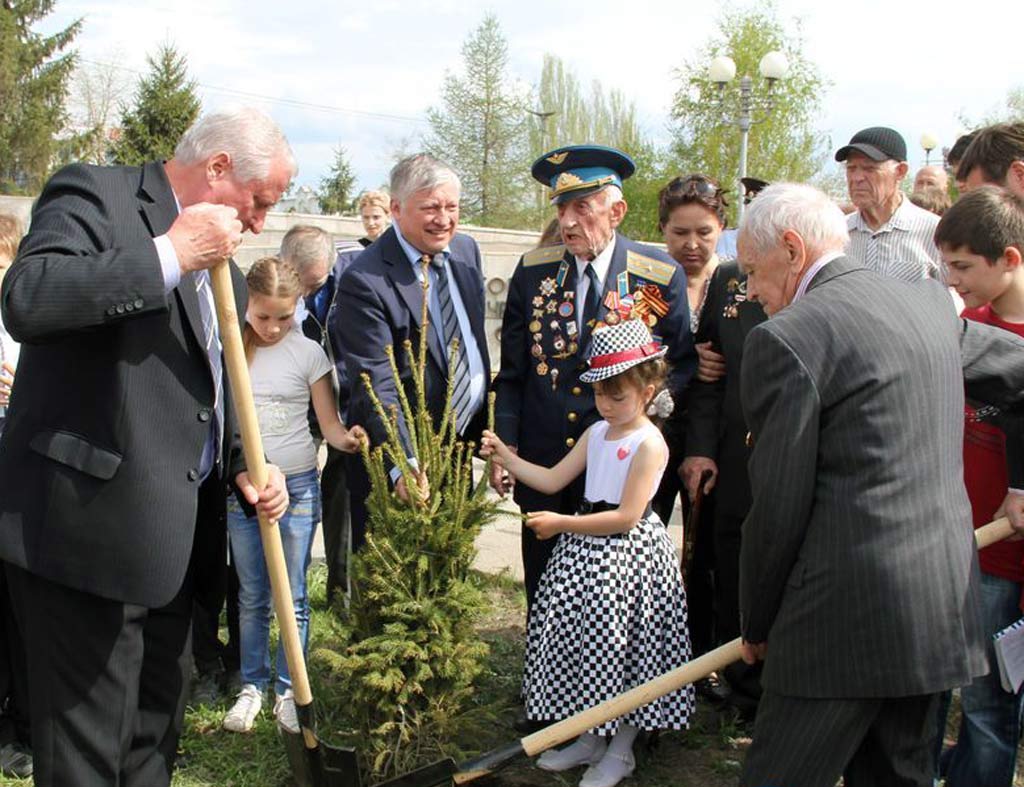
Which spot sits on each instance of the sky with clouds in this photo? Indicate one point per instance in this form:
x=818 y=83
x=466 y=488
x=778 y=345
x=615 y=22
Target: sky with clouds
x=363 y=75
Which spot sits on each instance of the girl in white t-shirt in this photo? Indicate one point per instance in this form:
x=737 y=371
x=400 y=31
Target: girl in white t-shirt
x=287 y=369
x=610 y=611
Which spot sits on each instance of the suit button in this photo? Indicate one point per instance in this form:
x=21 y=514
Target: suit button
x=120 y=308
x=204 y=415
x=570 y=442
x=138 y=303
x=572 y=417
x=576 y=390
x=111 y=311
x=128 y=307
x=193 y=474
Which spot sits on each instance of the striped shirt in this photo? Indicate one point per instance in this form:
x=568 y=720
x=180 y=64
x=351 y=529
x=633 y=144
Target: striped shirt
x=903 y=248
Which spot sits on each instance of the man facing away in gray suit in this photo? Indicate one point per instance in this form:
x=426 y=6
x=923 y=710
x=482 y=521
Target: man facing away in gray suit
x=858 y=572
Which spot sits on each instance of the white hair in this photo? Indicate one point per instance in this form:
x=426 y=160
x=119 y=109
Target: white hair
x=305 y=246
x=613 y=194
x=798 y=207
x=420 y=172
x=249 y=136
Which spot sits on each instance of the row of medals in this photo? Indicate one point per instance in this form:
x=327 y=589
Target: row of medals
x=543 y=306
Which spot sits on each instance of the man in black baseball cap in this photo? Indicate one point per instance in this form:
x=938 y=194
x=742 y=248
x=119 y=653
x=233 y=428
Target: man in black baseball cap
x=888 y=233
x=878 y=143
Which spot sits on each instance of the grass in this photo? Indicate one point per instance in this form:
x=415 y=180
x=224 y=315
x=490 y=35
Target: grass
x=710 y=754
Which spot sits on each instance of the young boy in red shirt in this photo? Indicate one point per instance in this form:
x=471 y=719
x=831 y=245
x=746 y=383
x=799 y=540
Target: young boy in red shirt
x=982 y=239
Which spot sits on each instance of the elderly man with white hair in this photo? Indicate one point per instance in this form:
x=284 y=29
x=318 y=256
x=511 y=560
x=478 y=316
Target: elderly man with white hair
x=120 y=438
x=557 y=296
x=859 y=579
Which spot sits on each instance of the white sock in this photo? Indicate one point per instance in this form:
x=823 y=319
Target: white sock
x=588 y=747
x=622 y=743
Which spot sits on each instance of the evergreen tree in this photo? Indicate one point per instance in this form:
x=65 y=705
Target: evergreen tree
x=481 y=131
x=165 y=105
x=33 y=87
x=338 y=188
x=784 y=145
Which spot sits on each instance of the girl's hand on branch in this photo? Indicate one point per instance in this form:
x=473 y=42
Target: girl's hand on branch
x=490 y=444
x=544 y=524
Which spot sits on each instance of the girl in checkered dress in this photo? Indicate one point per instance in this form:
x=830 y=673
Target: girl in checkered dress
x=610 y=612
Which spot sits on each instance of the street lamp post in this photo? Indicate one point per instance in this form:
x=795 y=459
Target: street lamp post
x=739 y=110
x=929 y=142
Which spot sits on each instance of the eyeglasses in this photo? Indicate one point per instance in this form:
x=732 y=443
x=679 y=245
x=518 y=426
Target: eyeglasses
x=693 y=186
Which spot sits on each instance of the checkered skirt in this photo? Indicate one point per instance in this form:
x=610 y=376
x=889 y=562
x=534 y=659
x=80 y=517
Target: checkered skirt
x=610 y=614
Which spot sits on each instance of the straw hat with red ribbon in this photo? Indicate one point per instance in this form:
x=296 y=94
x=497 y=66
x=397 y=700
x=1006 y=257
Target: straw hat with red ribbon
x=615 y=348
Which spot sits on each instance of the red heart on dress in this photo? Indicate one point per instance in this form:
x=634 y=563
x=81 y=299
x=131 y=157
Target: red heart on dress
x=623 y=452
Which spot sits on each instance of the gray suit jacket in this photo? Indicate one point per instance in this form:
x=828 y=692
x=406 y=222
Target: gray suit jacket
x=858 y=565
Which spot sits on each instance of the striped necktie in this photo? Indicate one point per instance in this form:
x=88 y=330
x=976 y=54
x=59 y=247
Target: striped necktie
x=211 y=343
x=449 y=331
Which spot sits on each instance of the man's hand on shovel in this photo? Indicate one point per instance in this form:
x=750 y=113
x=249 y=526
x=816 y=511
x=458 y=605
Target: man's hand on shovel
x=272 y=502
x=1013 y=509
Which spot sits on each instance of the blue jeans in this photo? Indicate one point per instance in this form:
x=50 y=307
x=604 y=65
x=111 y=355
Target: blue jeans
x=254 y=602
x=985 y=754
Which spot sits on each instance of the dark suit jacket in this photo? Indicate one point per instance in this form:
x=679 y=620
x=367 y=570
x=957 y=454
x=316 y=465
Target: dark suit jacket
x=715 y=426
x=543 y=414
x=858 y=564
x=379 y=303
x=113 y=400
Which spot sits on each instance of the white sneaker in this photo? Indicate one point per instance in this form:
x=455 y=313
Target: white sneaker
x=586 y=750
x=612 y=769
x=245 y=710
x=284 y=711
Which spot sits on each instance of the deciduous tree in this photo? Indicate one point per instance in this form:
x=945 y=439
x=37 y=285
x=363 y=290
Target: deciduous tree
x=783 y=145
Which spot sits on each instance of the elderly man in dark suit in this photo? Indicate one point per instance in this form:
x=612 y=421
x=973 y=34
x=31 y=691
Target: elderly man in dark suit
x=858 y=572
x=120 y=434
x=380 y=303
x=556 y=296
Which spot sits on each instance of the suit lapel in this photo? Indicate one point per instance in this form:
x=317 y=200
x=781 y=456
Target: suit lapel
x=468 y=282
x=159 y=210
x=410 y=289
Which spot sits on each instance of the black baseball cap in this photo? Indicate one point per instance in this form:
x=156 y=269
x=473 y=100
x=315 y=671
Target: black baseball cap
x=878 y=143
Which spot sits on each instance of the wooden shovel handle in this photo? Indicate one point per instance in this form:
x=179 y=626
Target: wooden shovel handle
x=692 y=671
x=256 y=465
x=986 y=535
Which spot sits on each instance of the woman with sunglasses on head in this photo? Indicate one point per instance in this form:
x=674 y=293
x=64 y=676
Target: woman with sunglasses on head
x=691 y=216
x=716 y=442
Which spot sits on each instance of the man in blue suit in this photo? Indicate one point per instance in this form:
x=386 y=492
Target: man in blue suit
x=557 y=296
x=380 y=301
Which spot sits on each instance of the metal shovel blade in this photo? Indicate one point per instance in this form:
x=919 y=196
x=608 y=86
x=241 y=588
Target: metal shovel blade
x=314 y=763
x=440 y=772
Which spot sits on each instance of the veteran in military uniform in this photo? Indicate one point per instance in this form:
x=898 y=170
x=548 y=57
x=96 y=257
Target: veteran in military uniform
x=557 y=296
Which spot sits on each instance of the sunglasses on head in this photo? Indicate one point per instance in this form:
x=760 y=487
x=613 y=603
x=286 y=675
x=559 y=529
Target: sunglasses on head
x=694 y=186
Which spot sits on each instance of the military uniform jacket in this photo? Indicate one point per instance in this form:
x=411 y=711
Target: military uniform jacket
x=542 y=406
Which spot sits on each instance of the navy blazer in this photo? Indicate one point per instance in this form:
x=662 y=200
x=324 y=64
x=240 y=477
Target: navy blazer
x=380 y=303
x=113 y=398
